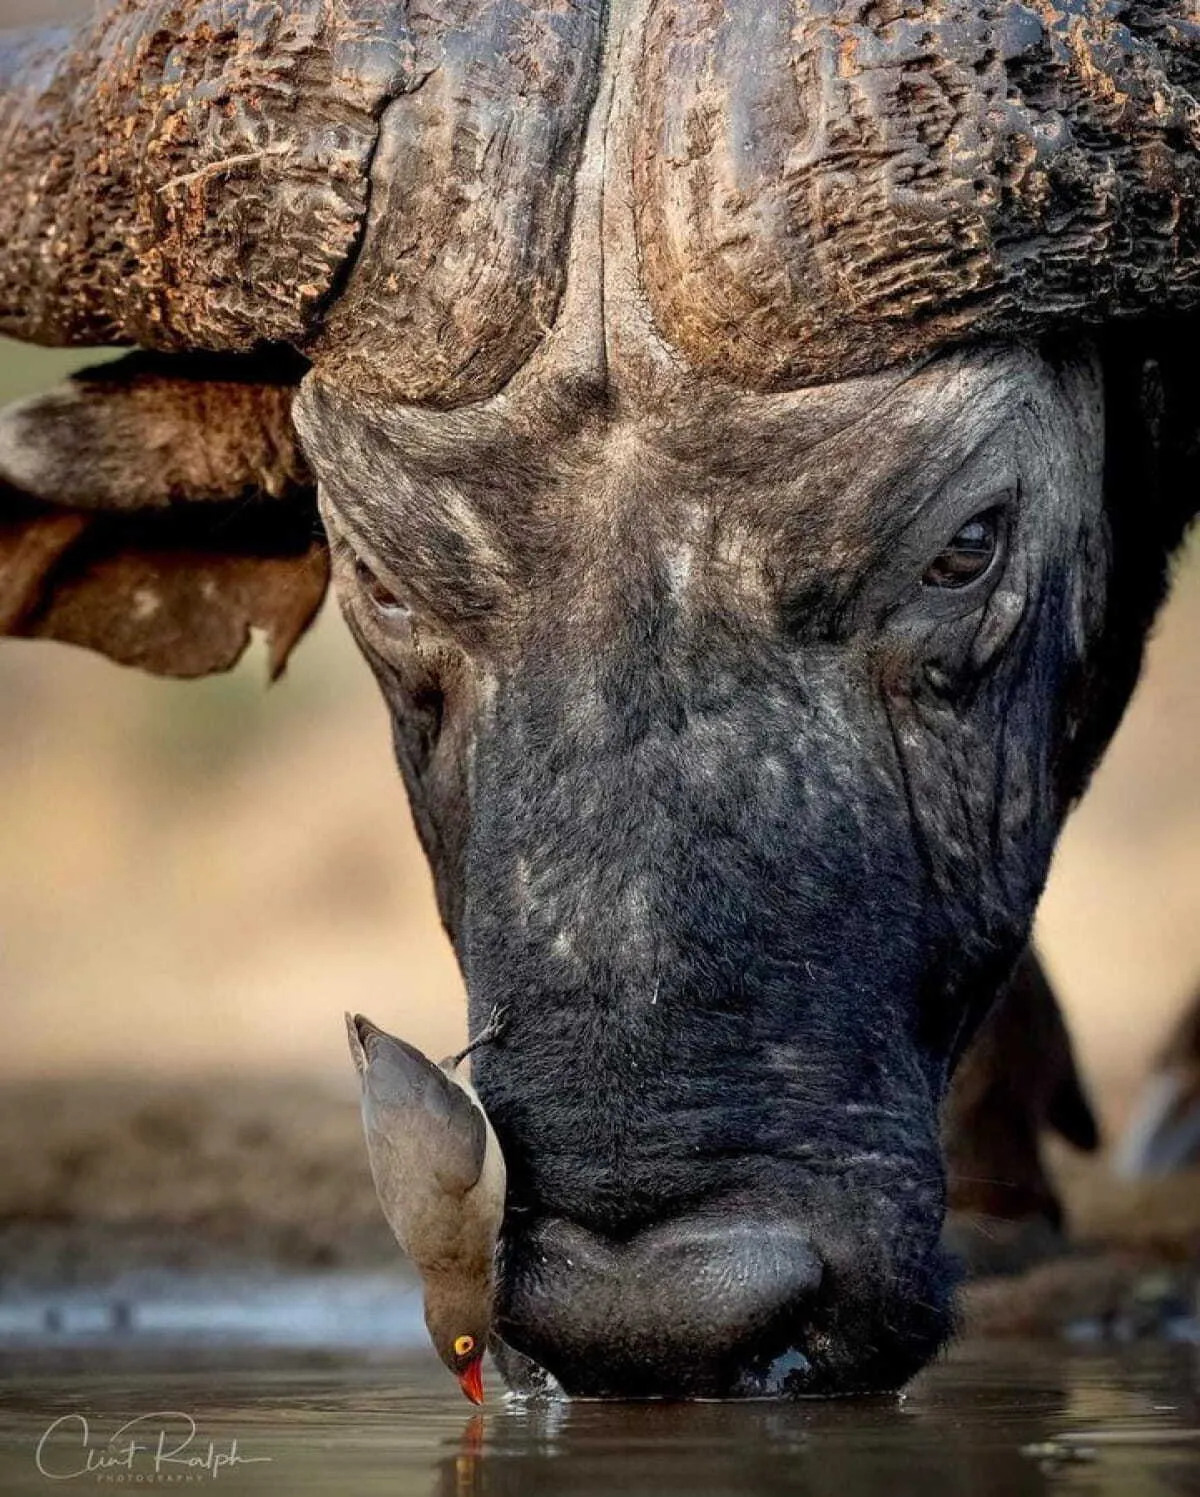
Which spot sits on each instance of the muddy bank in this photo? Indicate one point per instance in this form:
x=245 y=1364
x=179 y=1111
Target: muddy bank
x=104 y=1176
x=1129 y=1267
x=104 y=1180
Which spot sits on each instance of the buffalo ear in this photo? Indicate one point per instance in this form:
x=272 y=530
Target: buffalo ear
x=158 y=510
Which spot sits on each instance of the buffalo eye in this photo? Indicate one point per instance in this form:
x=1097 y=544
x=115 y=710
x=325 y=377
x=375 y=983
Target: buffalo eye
x=968 y=556
x=382 y=599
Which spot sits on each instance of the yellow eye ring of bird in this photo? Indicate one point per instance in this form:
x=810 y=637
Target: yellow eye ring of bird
x=464 y=1346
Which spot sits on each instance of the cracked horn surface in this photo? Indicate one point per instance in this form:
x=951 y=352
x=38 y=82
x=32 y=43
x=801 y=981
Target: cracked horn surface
x=806 y=189
x=190 y=175
x=219 y=174
x=828 y=187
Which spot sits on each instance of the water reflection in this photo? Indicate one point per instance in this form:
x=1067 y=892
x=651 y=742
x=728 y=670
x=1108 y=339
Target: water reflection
x=338 y=1424
x=963 y=1430
x=724 y=1449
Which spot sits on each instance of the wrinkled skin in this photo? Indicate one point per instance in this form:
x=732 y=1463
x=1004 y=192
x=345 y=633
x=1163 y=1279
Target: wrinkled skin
x=741 y=816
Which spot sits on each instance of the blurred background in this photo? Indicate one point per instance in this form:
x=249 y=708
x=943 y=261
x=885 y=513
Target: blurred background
x=205 y=874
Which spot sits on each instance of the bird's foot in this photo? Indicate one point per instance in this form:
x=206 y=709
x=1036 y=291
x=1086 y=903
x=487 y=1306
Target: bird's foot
x=488 y=1035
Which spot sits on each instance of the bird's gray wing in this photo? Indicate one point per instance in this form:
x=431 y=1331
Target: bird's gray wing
x=406 y=1096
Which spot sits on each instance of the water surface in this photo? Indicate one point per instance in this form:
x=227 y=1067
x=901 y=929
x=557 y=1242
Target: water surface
x=371 y=1422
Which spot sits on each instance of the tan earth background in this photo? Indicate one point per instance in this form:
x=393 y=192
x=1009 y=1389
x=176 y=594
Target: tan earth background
x=198 y=878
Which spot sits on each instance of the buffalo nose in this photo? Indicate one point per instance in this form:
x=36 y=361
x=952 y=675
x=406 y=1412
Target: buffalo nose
x=698 y=1306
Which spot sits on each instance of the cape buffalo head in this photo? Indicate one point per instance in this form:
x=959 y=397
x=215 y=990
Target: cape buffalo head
x=733 y=474
x=738 y=734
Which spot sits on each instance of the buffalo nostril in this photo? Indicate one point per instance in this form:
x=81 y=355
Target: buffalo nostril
x=722 y=1279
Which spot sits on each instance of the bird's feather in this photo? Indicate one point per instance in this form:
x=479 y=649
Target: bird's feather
x=415 y=1108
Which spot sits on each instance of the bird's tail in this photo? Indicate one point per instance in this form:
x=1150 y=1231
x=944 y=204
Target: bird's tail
x=359 y=1030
